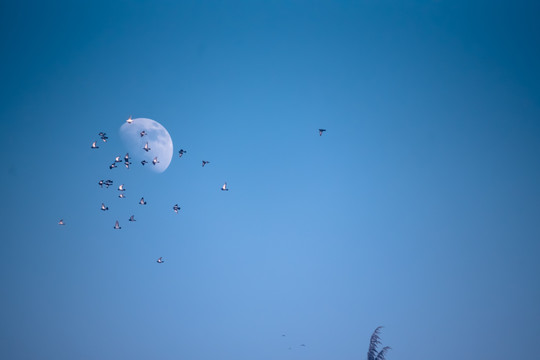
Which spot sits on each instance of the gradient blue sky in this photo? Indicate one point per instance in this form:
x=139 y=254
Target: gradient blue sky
x=417 y=210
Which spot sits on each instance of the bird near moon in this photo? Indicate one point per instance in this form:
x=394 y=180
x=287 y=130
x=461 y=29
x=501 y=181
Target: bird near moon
x=146 y=139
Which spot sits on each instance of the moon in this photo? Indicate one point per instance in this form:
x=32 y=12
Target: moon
x=159 y=142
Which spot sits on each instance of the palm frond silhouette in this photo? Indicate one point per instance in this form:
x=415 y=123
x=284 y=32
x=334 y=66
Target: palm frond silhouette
x=374 y=342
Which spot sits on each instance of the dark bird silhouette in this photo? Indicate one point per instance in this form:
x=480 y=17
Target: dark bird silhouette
x=101 y=133
x=112 y=166
x=108 y=183
x=146 y=148
x=374 y=342
x=127 y=163
x=116 y=225
x=176 y=208
x=142 y=202
x=103 y=207
x=100 y=183
x=155 y=161
x=61 y=222
x=160 y=260
x=321 y=131
x=204 y=162
x=94 y=146
x=143 y=133
x=103 y=136
x=181 y=152
x=224 y=187
x=144 y=162
x=132 y=218
x=126 y=157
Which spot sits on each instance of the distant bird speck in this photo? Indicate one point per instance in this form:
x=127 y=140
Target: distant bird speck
x=61 y=222
x=116 y=225
x=146 y=148
x=144 y=162
x=142 y=202
x=100 y=183
x=108 y=183
x=94 y=146
x=155 y=161
x=224 y=187
x=121 y=196
x=181 y=152
x=321 y=131
x=132 y=218
x=160 y=260
x=118 y=159
x=129 y=121
x=103 y=207
x=121 y=188
x=127 y=163
x=126 y=157
x=103 y=136
x=143 y=133
x=112 y=166
x=204 y=162
x=176 y=208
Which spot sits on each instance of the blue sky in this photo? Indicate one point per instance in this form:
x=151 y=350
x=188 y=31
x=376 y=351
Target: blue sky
x=417 y=209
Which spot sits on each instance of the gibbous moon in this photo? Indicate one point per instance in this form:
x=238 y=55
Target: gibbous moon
x=158 y=139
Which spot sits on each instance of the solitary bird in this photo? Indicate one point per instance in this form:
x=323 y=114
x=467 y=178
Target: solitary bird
x=121 y=188
x=94 y=146
x=118 y=159
x=224 y=187
x=61 y=222
x=160 y=260
x=146 y=148
x=132 y=218
x=116 y=225
x=103 y=207
x=129 y=121
x=321 y=131
x=176 y=208
x=143 y=133
x=101 y=183
x=204 y=162
x=181 y=152
x=144 y=162
x=142 y=202
x=155 y=161
x=121 y=196
x=112 y=166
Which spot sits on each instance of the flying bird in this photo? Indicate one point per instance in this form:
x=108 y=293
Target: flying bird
x=321 y=131
x=102 y=133
x=155 y=161
x=103 y=207
x=142 y=202
x=94 y=146
x=103 y=136
x=61 y=222
x=118 y=159
x=160 y=260
x=129 y=121
x=224 y=187
x=127 y=163
x=108 y=183
x=116 y=225
x=204 y=162
x=101 y=183
x=132 y=218
x=121 y=188
x=112 y=166
x=181 y=152
x=144 y=162
x=176 y=208
x=143 y=133
x=121 y=196
x=146 y=148
x=126 y=158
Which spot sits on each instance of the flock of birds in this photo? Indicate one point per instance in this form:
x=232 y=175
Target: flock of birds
x=127 y=163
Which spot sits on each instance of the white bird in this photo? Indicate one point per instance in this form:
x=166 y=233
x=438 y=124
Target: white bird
x=142 y=202
x=94 y=146
x=103 y=207
x=100 y=183
x=160 y=260
x=155 y=161
x=61 y=222
x=129 y=121
x=224 y=187
x=132 y=218
x=116 y=225
x=146 y=148
x=121 y=188
x=117 y=159
x=121 y=196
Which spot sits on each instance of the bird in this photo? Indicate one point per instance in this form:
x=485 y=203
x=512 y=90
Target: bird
x=321 y=131
x=127 y=163
x=142 y=202
x=204 y=162
x=121 y=196
x=160 y=260
x=129 y=121
x=121 y=188
x=112 y=166
x=181 y=152
x=132 y=218
x=224 y=187
x=102 y=133
x=118 y=159
x=176 y=208
x=116 y=225
x=126 y=158
x=155 y=161
x=108 y=183
x=103 y=207
x=143 y=133
x=101 y=183
x=103 y=136
x=146 y=148
x=61 y=222
x=94 y=146
x=144 y=162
